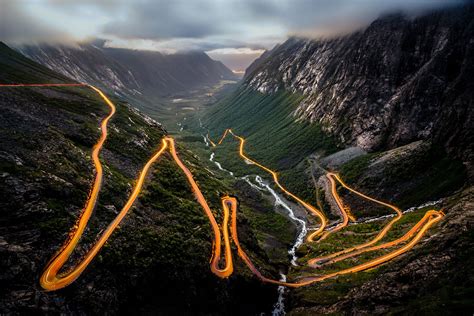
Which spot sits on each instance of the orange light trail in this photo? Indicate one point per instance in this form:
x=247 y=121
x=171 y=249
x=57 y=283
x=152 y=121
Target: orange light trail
x=342 y=209
x=309 y=207
x=430 y=218
x=229 y=268
x=428 y=215
x=52 y=279
x=378 y=237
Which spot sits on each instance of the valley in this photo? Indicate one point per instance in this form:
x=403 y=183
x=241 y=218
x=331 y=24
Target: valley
x=50 y=280
x=334 y=177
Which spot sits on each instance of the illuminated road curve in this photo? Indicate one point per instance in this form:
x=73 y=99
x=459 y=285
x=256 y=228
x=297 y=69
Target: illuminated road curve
x=430 y=218
x=52 y=279
x=309 y=207
x=415 y=233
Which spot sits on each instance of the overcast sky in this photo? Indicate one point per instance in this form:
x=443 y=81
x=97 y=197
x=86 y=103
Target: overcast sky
x=234 y=31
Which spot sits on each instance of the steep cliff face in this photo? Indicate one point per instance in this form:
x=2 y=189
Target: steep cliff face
x=398 y=81
x=130 y=72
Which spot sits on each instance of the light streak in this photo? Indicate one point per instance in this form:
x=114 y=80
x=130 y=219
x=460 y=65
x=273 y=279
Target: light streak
x=274 y=174
x=52 y=279
x=416 y=233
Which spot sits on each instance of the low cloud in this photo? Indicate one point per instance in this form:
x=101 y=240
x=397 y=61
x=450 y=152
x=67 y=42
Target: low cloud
x=255 y=22
x=206 y=25
x=160 y=20
x=17 y=26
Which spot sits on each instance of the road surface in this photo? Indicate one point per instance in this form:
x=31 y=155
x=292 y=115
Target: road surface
x=53 y=279
x=415 y=234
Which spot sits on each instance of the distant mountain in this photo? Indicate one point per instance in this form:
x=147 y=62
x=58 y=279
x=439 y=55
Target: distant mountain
x=168 y=74
x=131 y=72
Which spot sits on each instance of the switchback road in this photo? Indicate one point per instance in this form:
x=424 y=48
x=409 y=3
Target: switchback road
x=53 y=279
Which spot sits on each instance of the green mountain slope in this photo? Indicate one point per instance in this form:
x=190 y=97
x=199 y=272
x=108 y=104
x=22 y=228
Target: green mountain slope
x=404 y=120
x=267 y=123
x=272 y=135
x=159 y=256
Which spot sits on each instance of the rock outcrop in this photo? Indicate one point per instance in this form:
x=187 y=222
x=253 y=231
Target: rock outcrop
x=398 y=81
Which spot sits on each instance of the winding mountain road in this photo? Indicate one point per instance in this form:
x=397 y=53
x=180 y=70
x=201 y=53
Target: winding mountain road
x=53 y=279
x=415 y=234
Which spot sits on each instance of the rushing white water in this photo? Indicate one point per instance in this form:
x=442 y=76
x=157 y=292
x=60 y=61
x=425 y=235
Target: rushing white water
x=205 y=140
x=256 y=187
x=279 y=307
x=218 y=164
x=211 y=158
x=431 y=203
x=301 y=223
x=411 y=209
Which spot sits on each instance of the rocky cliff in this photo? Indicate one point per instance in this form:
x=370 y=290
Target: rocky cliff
x=399 y=95
x=397 y=81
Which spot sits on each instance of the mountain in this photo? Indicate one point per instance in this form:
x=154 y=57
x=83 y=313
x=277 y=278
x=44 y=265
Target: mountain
x=398 y=81
x=173 y=73
x=17 y=68
x=158 y=258
x=130 y=72
x=389 y=108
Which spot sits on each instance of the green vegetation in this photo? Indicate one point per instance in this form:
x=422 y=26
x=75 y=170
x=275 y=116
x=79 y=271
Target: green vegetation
x=332 y=290
x=163 y=245
x=272 y=136
x=329 y=291
x=352 y=170
x=426 y=174
x=267 y=123
x=439 y=176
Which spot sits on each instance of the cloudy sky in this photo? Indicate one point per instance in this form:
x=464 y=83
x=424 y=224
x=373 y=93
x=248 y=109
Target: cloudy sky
x=233 y=31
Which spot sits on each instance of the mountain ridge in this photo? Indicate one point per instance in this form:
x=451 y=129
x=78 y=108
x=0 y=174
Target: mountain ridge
x=397 y=99
x=385 y=86
x=130 y=72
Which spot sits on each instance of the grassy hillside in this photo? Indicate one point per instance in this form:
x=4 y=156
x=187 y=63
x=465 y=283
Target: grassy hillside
x=406 y=176
x=272 y=135
x=267 y=123
x=159 y=256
